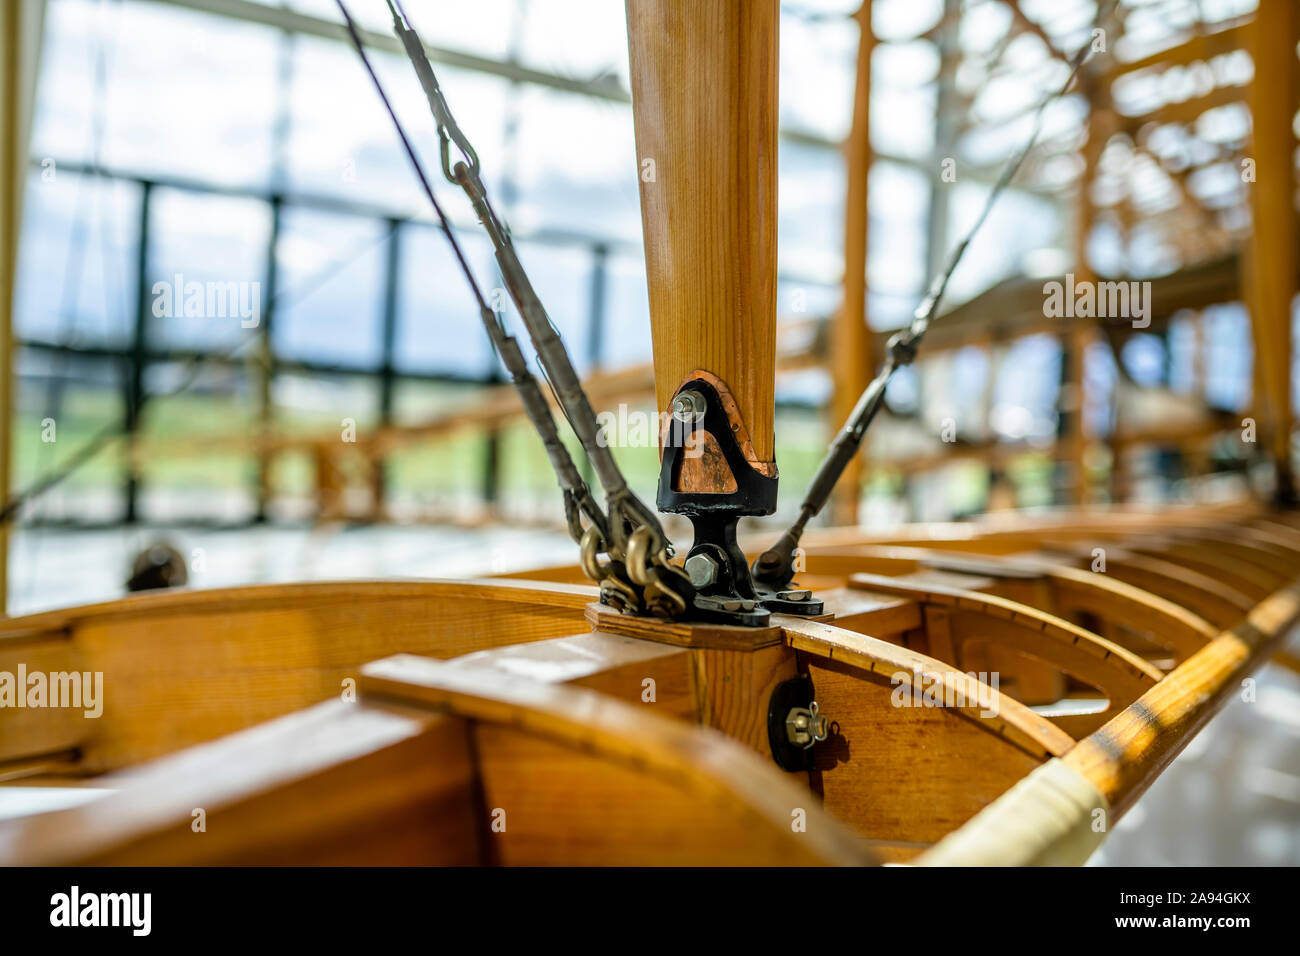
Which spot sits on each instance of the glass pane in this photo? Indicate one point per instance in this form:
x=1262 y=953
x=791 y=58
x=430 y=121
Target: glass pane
x=1228 y=341
x=77 y=259
x=198 y=460
x=1019 y=224
x=331 y=275
x=76 y=45
x=1024 y=404
x=578 y=38
x=341 y=141
x=898 y=200
x=201 y=104
x=627 y=313
x=576 y=166
x=324 y=404
x=818 y=65
x=438 y=325
x=207 y=261
x=810 y=198
x=61 y=403
x=797 y=299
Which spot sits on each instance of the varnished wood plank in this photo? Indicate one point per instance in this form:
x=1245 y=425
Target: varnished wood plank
x=659 y=676
x=181 y=668
x=33 y=733
x=682 y=633
x=334 y=784
x=733 y=690
x=540 y=744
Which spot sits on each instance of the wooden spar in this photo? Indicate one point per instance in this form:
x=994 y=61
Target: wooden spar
x=704 y=96
x=853 y=353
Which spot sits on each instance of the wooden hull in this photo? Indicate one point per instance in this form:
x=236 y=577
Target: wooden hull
x=997 y=695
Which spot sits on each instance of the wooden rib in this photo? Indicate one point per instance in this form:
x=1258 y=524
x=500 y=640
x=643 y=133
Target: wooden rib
x=1014 y=722
x=1167 y=624
x=1203 y=595
x=336 y=784
x=184 y=667
x=905 y=776
x=1264 y=561
x=1200 y=47
x=1273 y=537
x=999 y=623
x=586 y=779
x=1216 y=563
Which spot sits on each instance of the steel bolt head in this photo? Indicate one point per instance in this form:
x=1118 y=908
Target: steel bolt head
x=688 y=406
x=701 y=569
x=798 y=594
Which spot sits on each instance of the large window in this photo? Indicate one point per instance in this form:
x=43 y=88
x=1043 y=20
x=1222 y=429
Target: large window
x=246 y=156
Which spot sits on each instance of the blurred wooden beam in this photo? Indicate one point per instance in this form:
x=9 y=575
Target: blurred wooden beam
x=1199 y=49
x=854 y=355
x=20 y=45
x=1270 y=278
x=1075 y=340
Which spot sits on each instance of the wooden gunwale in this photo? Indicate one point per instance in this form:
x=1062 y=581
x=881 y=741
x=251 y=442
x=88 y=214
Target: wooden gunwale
x=1124 y=756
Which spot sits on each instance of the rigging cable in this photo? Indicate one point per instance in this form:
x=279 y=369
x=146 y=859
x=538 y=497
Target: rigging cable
x=775 y=566
x=638 y=577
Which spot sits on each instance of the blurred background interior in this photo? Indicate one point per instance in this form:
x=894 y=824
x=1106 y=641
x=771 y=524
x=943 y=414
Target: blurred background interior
x=239 y=141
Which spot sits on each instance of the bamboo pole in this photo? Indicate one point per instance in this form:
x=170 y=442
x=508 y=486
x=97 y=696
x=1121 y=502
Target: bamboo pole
x=704 y=96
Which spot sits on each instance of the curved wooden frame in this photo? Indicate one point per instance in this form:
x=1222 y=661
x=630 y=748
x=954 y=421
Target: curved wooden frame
x=542 y=692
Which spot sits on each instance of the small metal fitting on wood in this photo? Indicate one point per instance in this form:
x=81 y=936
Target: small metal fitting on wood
x=804 y=726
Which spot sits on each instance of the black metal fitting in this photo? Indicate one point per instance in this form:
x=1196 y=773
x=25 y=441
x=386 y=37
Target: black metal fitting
x=724 y=586
x=787 y=696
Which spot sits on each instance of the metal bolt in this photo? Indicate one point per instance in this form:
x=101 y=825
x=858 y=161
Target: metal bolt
x=795 y=595
x=701 y=569
x=688 y=406
x=804 y=726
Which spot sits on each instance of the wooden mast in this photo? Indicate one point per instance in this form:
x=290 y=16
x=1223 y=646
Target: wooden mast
x=704 y=94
